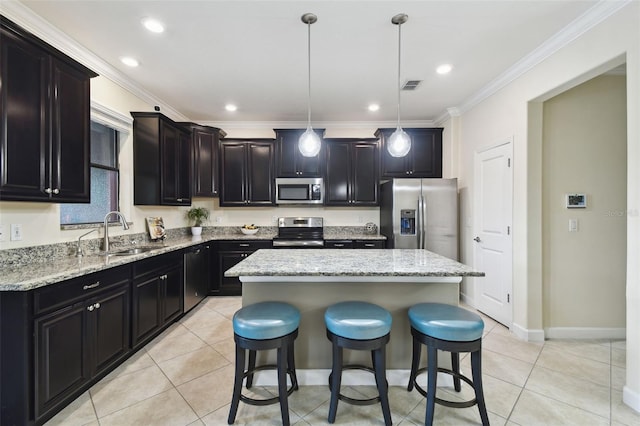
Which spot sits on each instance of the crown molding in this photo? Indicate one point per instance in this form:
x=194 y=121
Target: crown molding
x=35 y=24
x=592 y=17
x=317 y=125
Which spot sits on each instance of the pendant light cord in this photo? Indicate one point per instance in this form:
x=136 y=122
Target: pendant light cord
x=399 y=53
x=309 y=74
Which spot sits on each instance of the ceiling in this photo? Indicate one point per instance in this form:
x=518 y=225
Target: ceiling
x=254 y=53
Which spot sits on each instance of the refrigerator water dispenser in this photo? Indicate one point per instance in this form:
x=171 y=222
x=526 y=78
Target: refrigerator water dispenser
x=408 y=222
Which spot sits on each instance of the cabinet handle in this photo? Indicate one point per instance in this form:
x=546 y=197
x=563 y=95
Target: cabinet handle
x=97 y=305
x=163 y=277
x=369 y=245
x=90 y=308
x=47 y=190
x=243 y=245
x=338 y=245
x=197 y=251
x=56 y=191
x=90 y=286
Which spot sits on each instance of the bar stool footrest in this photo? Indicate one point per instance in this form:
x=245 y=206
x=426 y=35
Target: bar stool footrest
x=446 y=403
x=355 y=401
x=267 y=401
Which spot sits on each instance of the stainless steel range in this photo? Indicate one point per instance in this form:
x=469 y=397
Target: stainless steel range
x=299 y=232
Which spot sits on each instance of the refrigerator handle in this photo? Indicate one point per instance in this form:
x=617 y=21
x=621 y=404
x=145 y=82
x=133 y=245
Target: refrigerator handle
x=421 y=222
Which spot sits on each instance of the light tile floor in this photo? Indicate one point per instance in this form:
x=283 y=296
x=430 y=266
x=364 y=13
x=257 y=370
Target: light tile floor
x=185 y=377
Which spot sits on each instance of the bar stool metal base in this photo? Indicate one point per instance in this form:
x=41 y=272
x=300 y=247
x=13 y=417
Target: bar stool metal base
x=285 y=365
x=433 y=344
x=378 y=359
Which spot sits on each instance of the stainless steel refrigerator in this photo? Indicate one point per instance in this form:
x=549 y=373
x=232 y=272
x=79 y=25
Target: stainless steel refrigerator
x=421 y=214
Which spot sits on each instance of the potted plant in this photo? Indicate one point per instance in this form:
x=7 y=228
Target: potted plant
x=198 y=215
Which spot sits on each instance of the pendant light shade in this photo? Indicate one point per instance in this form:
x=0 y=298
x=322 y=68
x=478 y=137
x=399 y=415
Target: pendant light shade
x=399 y=143
x=309 y=143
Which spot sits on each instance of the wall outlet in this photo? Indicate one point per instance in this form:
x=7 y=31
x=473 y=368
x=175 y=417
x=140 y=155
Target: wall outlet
x=3 y=233
x=274 y=220
x=16 y=232
x=218 y=219
x=573 y=225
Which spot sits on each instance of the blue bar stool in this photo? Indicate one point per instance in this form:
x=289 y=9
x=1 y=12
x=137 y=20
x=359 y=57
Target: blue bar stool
x=263 y=326
x=358 y=326
x=452 y=329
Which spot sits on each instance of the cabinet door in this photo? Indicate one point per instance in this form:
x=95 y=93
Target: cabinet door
x=233 y=173
x=290 y=162
x=146 y=310
x=228 y=286
x=394 y=166
x=183 y=177
x=427 y=153
x=61 y=358
x=111 y=324
x=368 y=244
x=175 y=158
x=260 y=177
x=205 y=174
x=172 y=294
x=364 y=164
x=70 y=136
x=24 y=141
x=338 y=175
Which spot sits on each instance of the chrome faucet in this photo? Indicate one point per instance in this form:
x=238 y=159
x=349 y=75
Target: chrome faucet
x=79 y=252
x=123 y=221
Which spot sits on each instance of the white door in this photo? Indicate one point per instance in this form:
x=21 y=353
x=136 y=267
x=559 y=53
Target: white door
x=492 y=217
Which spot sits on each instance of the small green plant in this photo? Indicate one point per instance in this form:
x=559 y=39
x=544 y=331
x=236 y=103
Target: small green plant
x=198 y=215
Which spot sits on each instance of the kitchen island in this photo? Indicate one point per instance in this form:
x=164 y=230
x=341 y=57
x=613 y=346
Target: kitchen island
x=313 y=279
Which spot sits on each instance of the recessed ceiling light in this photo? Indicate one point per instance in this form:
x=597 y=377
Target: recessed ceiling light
x=444 y=69
x=373 y=107
x=230 y=107
x=130 y=62
x=153 y=25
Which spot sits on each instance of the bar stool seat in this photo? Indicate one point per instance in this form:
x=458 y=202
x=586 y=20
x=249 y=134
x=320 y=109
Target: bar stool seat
x=358 y=326
x=452 y=329
x=264 y=326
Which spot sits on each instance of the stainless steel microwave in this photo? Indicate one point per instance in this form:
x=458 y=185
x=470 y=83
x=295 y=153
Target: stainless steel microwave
x=299 y=191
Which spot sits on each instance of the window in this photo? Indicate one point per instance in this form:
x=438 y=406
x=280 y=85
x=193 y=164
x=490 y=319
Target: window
x=104 y=180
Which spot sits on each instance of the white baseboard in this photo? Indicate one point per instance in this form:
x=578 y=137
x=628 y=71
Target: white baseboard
x=319 y=377
x=527 y=335
x=631 y=398
x=464 y=298
x=585 y=333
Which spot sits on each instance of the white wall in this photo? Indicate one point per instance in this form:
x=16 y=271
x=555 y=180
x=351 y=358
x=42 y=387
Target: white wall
x=585 y=151
x=516 y=111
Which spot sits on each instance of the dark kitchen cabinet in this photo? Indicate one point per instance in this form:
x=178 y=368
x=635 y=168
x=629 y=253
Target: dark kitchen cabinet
x=204 y=141
x=226 y=255
x=158 y=295
x=352 y=175
x=81 y=328
x=45 y=113
x=423 y=161
x=247 y=173
x=290 y=162
x=162 y=158
x=354 y=244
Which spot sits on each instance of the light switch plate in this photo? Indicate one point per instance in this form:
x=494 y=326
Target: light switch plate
x=16 y=232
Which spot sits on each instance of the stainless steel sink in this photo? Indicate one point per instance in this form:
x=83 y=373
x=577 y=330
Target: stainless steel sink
x=132 y=251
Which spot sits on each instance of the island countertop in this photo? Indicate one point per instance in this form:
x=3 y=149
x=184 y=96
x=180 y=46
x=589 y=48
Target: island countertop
x=349 y=263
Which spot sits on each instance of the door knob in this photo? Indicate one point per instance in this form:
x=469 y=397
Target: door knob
x=476 y=239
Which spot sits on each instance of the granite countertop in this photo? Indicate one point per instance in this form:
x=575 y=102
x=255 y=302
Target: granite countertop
x=43 y=265
x=357 y=262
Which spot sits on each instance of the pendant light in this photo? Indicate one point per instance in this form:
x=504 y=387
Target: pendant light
x=309 y=142
x=399 y=142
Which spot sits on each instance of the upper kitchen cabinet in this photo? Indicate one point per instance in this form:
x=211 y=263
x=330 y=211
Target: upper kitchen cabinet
x=161 y=161
x=352 y=173
x=204 y=141
x=290 y=162
x=247 y=172
x=45 y=113
x=423 y=161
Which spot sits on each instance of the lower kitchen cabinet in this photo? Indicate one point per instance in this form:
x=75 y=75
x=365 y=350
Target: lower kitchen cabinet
x=158 y=295
x=354 y=244
x=81 y=328
x=226 y=255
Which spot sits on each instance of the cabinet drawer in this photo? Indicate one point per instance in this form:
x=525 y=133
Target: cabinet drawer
x=244 y=245
x=151 y=265
x=67 y=292
x=338 y=244
x=368 y=244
